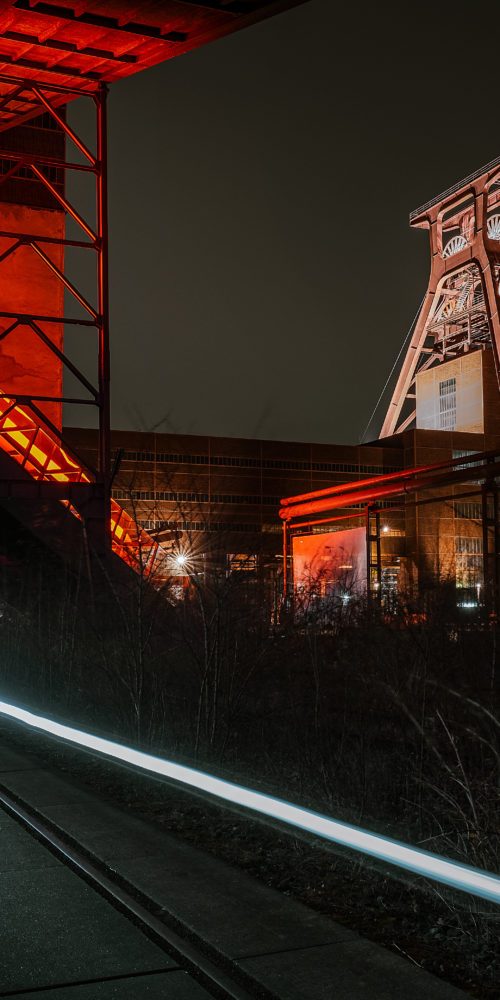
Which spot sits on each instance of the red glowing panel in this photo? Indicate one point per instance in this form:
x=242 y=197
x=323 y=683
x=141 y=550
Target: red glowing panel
x=28 y=365
x=333 y=561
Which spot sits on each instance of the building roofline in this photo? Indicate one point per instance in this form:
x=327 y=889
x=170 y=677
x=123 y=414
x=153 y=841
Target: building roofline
x=454 y=188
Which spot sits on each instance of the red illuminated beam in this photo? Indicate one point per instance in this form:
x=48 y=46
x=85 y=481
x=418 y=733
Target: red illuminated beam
x=481 y=466
x=80 y=46
x=402 y=475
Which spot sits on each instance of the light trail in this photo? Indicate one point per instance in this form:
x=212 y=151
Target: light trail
x=432 y=866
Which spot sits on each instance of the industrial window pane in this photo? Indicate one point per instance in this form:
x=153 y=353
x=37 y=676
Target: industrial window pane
x=468 y=544
x=448 y=404
x=241 y=562
x=470 y=509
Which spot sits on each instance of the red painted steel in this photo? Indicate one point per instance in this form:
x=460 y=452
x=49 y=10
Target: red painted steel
x=401 y=476
x=32 y=323
x=40 y=454
x=481 y=464
x=460 y=311
x=30 y=405
x=53 y=53
x=375 y=493
x=29 y=362
x=79 y=45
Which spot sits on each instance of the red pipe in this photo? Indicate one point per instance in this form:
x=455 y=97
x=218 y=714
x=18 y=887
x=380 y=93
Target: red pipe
x=402 y=474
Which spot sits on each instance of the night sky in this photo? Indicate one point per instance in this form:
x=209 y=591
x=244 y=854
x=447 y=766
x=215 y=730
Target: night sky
x=263 y=274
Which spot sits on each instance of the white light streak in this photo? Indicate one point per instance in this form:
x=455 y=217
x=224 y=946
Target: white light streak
x=452 y=873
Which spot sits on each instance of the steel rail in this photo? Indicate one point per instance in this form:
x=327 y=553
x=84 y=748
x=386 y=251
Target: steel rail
x=40 y=238
x=49 y=161
x=455 y=188
x=101 y=879
x=474 y=881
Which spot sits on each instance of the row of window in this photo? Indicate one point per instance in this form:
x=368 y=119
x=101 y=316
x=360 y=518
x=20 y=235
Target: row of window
x=256 y=463
x=465 y=544
x=227 y=526
x=176 y=497
x=465 y=453
x=245 y=562
x=466 y=510
x=469 y=509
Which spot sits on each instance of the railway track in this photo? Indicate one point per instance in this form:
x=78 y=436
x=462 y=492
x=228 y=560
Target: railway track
x=200 y=923
x=219 y=982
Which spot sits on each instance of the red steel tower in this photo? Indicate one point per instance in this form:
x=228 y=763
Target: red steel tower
x=51 y=54
x=460 y=311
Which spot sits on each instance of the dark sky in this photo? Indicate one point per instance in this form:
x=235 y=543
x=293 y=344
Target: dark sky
x=263 y=274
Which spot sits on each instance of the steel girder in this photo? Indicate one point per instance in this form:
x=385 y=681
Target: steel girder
x=27 y=434
x=463 y=289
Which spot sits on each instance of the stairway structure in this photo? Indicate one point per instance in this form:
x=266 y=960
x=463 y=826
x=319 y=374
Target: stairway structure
x=40 y=454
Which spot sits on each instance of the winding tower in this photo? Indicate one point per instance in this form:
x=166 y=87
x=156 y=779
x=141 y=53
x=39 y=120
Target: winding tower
x=459 y=314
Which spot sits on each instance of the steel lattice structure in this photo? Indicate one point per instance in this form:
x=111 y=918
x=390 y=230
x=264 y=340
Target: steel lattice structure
x=52 y=54
x=461 y=306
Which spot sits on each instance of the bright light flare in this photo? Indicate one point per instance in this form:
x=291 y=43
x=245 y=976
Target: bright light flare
x=181 y=559
x=463 y=877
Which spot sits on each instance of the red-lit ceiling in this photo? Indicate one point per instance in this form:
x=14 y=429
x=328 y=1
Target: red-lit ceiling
x=81 y=43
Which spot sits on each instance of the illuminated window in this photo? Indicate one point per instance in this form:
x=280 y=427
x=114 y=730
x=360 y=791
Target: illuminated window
x=256 y=463
x=464 y=453
x=469 y=561
x=469 y=509
x=241 y=562
x=448 y=404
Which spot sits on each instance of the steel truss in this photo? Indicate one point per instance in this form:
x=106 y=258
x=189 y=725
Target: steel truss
x=461 y=307
x=33 y=441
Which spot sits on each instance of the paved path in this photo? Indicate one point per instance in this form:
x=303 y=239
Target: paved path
x=58 y=934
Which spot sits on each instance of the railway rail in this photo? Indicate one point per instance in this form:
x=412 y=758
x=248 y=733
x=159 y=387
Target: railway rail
x=213 y=931
x=219 y=982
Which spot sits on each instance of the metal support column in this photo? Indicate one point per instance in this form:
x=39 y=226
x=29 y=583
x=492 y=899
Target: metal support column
x=285 y=560
x=103 y=308
x=96 y=511
x=491 y=547
x=373 y=555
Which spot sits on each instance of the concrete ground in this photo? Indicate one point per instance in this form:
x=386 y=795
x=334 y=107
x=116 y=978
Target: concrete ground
x=59 y=936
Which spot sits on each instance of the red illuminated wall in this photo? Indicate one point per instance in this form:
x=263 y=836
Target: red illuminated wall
x=329 y=560
x=28 y=285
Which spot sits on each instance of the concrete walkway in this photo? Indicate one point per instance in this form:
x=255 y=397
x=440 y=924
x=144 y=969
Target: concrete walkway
x=56 y=930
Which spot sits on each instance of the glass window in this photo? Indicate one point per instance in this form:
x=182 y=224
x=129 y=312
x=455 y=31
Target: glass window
x=448 y=404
